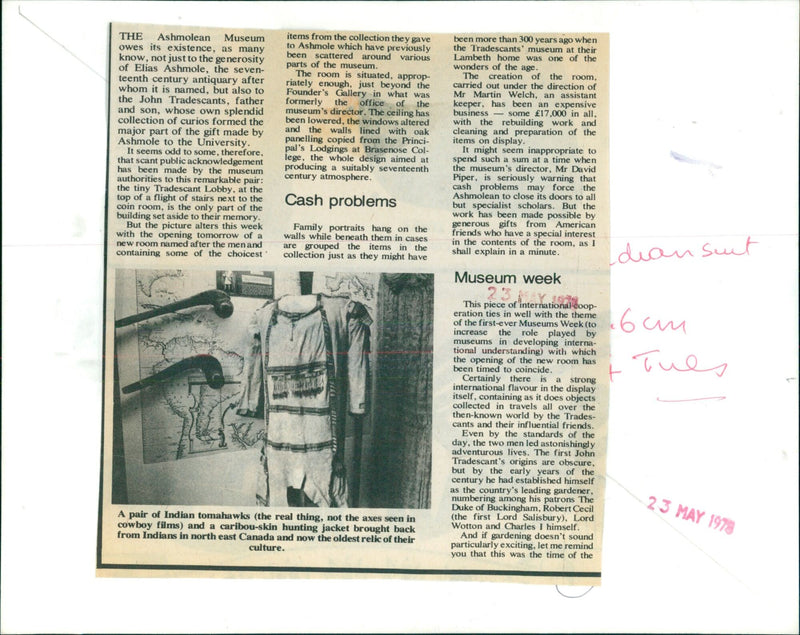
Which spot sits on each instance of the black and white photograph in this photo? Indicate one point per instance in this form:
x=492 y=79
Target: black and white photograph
x=273 y=388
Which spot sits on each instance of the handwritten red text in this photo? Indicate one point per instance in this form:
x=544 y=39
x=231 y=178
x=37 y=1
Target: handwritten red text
x=628 y=324
x=636 y=256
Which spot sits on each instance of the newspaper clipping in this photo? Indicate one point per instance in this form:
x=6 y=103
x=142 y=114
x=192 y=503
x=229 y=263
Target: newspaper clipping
x=357 y=304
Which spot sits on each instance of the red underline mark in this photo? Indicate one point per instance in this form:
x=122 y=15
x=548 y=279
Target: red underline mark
x=720 y=398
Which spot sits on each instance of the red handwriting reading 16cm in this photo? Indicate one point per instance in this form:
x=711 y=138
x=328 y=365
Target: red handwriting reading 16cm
x=627 y=325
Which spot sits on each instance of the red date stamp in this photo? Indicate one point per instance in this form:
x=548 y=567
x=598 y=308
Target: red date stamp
x=524 y=297
x=684 y=512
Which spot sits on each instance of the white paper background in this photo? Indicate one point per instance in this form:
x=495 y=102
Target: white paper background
x=714 y=82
